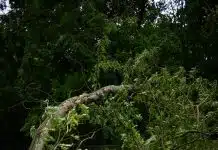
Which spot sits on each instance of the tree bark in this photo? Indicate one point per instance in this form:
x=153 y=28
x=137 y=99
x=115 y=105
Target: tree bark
x=43 y=129
x=142 y=6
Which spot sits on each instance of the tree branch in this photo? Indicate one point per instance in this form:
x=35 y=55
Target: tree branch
x=43 y=129
x=91 y=137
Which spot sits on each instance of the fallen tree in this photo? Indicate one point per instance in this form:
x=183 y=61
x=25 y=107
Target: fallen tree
x=181 y=108
x=43 y=129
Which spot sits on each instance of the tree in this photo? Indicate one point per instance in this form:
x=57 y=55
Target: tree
x=54 y=50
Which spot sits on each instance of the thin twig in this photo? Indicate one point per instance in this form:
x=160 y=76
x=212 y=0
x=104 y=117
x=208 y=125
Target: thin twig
x=88 y=138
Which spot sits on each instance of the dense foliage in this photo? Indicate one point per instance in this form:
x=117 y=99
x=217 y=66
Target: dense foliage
x=54 y=50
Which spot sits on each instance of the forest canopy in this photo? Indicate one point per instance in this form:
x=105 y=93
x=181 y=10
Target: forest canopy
x=109 y=74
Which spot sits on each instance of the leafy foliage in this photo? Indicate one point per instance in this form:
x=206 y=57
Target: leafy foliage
x=53 y=50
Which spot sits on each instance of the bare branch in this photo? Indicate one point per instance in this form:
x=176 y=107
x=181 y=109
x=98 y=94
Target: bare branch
x=88 y=138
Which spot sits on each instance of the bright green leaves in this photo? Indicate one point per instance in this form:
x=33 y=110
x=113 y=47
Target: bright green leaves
x=63 y=131
x=116 y=116
x=172 y=111
x=76 y=116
